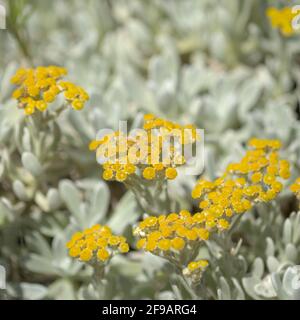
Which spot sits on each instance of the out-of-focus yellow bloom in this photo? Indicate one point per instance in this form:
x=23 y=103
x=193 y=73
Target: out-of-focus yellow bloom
x=96 y=244
x=171 y=173
x=195 y=265
x=40 y=86
x=195 y=269
x=295 y=188
x=149 y=173
x=282 y=19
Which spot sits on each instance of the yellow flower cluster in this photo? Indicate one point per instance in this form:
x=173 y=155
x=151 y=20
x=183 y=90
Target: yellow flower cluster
x=195 y=269
x=40 y=86
x=282 y=19
x=145 y=153
x=96 y=244
x=262 y=165
x=197 y=265
x=295 y=187
x=220 y=199
x=175 y=237
x=253 y=179
x=170 y=234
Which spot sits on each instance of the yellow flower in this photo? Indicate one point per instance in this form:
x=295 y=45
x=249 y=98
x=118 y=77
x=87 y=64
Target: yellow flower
x=29 y=110
x=269 y=179
x=158 y=166
x=195 y=265
x=102 y=254
x=121 y=176
x=171 y=173
x=86 y=255
x=75 y=251
x=141 y=155
x=149 y=173
x=129 y=168
x=171 y=233
x=40 y=86
x=33 y=91
x=17 y=93
x=195 y=269
x=148 y=117
x=114 y=240
x=108 y=174
x=203 y=233
x=151 y=245
x=77 y=104
x=192 y=266
x=48 y=96
x=282 y=19
x=141 y=243
x=295 y=188
x=256 y=177
x=96 y=243
x=164 y=244
x=253 y=179
x=223 y=224
x=124 y=247
x=184 y=214
x=41 y=105
x=177 y=243
x=204 y=204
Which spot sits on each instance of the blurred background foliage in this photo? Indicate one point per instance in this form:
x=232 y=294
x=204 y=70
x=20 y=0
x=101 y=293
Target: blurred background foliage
x=217 y=64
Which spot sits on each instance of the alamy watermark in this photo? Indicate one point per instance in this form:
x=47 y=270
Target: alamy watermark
x=175 y=147
x=2 y=17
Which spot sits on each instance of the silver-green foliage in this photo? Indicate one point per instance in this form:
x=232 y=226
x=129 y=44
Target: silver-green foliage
x=217 y=64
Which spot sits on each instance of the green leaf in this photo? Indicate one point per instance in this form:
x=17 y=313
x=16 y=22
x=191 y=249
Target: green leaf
x=27 y=291
x=32 y=164
x=99 y=204
x=72 y=199
x=20 y=191
x=125 y=213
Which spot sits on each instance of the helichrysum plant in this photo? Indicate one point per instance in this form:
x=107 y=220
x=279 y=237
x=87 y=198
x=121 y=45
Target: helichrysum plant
x=96 y=246
x=179 y=237
x=146 y=158
x=229 y=233
x=39 y=129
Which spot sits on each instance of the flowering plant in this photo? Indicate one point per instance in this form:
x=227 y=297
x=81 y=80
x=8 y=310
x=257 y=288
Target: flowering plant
x=91 y=211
